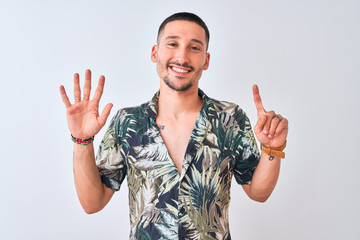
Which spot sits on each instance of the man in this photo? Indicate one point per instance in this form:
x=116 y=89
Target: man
x=178 y=151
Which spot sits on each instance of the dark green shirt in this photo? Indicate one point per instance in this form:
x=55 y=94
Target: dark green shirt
x=163 y=203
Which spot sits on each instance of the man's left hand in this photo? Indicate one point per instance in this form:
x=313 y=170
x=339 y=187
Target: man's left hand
x=271 y=129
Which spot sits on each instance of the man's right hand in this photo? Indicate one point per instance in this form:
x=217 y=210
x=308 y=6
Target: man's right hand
x=83 y=116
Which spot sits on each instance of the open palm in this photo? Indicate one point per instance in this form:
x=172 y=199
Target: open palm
x=83 y=116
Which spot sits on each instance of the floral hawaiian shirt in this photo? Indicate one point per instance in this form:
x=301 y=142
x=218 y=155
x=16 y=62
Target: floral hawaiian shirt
x=164 y=204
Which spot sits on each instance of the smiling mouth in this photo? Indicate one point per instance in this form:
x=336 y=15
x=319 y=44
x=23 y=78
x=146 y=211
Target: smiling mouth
x=179 y=70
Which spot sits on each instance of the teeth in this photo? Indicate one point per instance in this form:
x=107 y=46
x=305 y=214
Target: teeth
x=179 y=70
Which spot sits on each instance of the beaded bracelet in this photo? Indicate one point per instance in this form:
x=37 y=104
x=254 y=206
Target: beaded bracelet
x=81 y=141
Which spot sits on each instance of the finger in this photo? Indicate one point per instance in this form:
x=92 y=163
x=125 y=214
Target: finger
x=87 y=85
x=64 y=97
x=257 y=98
x=105 y=114
x=100 y=88
x=283 y=126
x=77 y=90
x=269 y=117
x=273 y=126
x=260 y=123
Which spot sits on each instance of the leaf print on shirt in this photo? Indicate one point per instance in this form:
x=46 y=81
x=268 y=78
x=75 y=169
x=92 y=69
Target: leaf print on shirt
x=200 y=194
x=162 y=203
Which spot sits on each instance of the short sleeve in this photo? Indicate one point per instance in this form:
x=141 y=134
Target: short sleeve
x=249 y=153
x=109 y=160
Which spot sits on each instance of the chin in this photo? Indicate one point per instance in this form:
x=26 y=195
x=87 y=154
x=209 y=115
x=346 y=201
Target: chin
x=179 y=88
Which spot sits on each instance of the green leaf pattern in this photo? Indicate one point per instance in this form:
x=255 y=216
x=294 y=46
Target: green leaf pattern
x=162 y=203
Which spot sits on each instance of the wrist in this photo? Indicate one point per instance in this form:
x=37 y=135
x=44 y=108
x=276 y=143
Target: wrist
x=274 y=151
x=82 y=141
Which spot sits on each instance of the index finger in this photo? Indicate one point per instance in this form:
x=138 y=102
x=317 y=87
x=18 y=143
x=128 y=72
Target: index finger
x=257 y=98
x=100 y=88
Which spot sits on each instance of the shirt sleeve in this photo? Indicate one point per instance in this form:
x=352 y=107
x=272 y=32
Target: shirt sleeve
x=249 y=156
x=109 y=159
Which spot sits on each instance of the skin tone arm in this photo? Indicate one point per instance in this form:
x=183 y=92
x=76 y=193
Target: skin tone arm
x=85 y=122
x=271 y=130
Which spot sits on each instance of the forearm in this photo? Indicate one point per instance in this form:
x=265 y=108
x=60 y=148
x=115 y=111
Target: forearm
x=271 y=131
x=90 y=189
x=264 y=179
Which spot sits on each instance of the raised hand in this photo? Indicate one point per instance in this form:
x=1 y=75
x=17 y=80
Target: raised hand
x=83 y=116
x=271 y=129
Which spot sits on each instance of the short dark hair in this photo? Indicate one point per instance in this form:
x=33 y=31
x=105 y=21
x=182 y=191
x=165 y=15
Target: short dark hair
x=187 y=17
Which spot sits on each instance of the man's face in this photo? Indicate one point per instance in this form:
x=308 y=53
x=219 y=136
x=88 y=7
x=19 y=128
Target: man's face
x=181 y=54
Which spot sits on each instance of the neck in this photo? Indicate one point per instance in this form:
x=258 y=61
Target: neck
x=176 y=104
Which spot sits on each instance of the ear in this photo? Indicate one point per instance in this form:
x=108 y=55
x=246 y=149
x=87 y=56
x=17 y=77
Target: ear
x=207 y=61
x=154 y=53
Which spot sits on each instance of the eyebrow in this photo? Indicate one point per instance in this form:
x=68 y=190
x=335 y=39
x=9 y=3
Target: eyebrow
x=193 y=39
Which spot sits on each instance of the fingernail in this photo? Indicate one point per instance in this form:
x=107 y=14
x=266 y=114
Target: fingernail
x=269 y=136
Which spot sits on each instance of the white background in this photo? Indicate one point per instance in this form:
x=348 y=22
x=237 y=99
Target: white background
x=305 y=56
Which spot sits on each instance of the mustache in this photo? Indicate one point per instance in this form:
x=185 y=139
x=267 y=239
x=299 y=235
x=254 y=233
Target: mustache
x=185 y=65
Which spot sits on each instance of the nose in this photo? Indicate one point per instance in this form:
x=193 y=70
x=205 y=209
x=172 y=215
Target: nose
x=182 y=55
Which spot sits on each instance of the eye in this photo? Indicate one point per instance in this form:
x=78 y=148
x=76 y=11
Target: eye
x=195 y=48
x=172 y=44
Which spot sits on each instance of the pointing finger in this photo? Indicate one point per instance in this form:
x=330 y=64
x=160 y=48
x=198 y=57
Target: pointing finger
x=257 y=99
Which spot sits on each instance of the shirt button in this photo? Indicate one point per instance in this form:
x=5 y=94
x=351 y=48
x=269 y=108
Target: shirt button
x=182 y=210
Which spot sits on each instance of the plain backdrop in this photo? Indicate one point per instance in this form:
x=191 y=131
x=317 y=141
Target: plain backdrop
x=304 y=55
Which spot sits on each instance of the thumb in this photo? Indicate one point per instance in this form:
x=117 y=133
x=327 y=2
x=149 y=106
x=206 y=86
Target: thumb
x=260 y=123
x=105 y=114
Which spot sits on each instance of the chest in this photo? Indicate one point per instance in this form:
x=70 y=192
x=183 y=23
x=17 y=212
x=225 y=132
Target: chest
x=176 y=136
